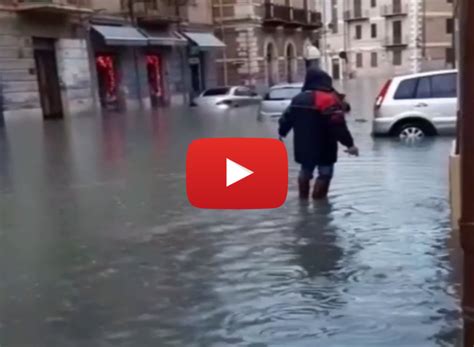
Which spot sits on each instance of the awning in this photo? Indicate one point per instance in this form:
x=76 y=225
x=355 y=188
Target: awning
x=121 y=35
x=204 y=40
x=164 y=38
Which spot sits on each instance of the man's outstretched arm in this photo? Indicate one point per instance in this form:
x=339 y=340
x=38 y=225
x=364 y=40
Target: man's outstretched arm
x=285 y=122
x=343 y=134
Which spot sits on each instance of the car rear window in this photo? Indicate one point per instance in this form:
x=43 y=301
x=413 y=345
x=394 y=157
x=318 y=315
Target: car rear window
x=406 y=89
x=216 y=92
x=444 y=86
x=283 y=93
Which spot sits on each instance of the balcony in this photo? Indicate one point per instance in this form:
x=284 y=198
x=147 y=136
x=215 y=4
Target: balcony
x=156 y=12
x=54 y=6
x=280 y=15
x=356 y=15
x=396 y=42
x=389 y=11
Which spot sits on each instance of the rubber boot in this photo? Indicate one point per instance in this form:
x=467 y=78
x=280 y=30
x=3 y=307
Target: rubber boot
x=321 y=189
x=303 y=186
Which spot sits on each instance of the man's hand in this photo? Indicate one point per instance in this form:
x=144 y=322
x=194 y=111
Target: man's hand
x=353 y=151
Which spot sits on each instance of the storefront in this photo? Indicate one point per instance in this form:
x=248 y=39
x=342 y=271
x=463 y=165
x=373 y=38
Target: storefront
x=165 y=66
x=202 y=53
x=119 y=53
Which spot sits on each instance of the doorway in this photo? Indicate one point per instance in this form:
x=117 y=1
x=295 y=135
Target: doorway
x=107 y=76
x=48 y=79
x=397 y=32
x=155 y=80
x=336 y=69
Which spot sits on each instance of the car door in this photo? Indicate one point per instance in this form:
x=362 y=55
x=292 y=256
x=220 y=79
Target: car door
x=424 y=105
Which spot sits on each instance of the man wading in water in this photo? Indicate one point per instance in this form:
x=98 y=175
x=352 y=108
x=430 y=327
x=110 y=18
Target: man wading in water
x=317 y=117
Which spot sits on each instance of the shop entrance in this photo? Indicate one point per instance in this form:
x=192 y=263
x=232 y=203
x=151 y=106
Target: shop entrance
x=108 y=80
x=155 y=80
x=48 y=80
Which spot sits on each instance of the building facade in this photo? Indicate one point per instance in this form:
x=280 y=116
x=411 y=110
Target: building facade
x=386 y=37
x=438 y=34
x=265 y=40
x=44 y=64
x=62 y=57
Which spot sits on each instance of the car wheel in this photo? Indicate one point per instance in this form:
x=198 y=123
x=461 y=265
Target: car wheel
x=412 y=132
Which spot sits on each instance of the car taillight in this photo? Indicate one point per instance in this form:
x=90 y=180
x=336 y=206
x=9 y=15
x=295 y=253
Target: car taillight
x=382 y=94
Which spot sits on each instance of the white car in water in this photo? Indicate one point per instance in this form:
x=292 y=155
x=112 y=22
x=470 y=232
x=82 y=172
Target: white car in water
x=417 y=105
x=227 y=97
x=278 y=99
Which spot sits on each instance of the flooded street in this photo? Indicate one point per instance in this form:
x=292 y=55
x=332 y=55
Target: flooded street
x=100 y=247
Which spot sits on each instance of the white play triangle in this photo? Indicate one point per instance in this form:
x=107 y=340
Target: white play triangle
x=235 y=172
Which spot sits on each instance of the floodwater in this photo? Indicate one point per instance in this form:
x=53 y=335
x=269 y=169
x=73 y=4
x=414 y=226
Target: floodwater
x=99 y=246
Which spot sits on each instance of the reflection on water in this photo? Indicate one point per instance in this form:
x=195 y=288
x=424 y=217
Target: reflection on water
x=99 y=246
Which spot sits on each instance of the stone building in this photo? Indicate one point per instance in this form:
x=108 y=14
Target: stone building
x=265 y=40
x=44 y=64
x=62 y=57
x=437 y=30
x=385 y=37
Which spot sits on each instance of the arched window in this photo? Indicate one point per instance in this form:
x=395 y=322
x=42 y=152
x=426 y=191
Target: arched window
x=291 y=62
x=271 y=61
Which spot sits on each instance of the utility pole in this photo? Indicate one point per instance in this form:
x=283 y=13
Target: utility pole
x=131 y=12
x=466 y=62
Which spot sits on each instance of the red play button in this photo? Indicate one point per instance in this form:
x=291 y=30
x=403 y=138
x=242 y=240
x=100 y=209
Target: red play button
x=237 y=173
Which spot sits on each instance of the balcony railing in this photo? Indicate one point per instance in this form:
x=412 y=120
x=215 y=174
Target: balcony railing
x=280 y=15
x=55 y=5
x=277 y=13
x=156 y=11
x=394 y=10
x=396 y=41
x=356 y=15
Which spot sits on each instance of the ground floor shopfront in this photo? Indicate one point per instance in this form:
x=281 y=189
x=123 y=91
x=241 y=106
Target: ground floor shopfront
x=54 y=68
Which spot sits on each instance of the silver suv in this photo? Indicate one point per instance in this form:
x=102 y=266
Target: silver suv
x=417 y=105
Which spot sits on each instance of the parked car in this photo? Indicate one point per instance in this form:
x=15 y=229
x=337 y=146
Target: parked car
x=278 y=99
x=417 y=105
x=234 y=96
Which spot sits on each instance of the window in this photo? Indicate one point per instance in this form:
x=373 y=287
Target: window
x=216 y=92
x=243 y=91
x=283 y=93
x=449 y=26
x=358 y=30
x=450 y=55
x=334 y=20
x=444 y=86
x=373 y=59
x=406 y=89
x=359 y=60
x=373 y=30
x=397 y=31
x=373 y=3
x=424 y=88
x=397 y=57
